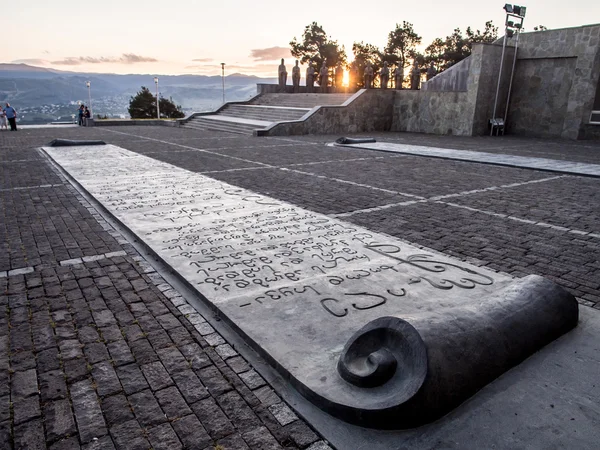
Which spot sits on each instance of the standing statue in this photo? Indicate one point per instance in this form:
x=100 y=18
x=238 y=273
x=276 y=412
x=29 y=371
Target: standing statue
x=384 y=75
x=310 y=78
x=339 y=76
x=431 y=72
x=324 y=76
x=398 y=76
x=282 y=76
x=415 y=77
x=296 y=77
x=368 y=76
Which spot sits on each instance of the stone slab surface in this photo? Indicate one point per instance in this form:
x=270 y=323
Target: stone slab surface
x=228 y=119
x=265 y=263
x=552 y=165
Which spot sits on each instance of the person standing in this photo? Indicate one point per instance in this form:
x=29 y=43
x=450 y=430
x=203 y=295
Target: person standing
x=3 y=121
x=81 y=112
x=11 y=115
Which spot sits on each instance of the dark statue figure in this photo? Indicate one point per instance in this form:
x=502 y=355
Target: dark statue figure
x=398 y=77
x=296 y=77
x=368 y=76
x=415 y=77
x=431 y=72
x=384 y=75
x=282 y=76
x=339 y=76
x=310 y=78
x=324 y=76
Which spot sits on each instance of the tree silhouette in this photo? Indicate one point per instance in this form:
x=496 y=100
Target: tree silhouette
x=363 y=54
x=315 y=46
x=402 y=45
x=143 y=106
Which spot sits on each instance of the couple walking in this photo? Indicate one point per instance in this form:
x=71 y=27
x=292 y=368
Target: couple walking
x=8 y=113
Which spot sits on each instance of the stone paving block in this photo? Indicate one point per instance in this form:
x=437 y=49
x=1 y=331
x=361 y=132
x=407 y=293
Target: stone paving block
x=90 y=421
x=320 y=445
x=214 y=381
x=195 y=355
x=173 y=360
x=163 y=437
x=180 y=336
x=70 y=349
x=213 y=418
x=238 y=411
x=190 y=386
x=143 y=351
x=300 y=433
x=95 y=352
x=146 y=409
x=133 y=333
x=5 y=432
x=132 y=378
x=283 y=413
x=156 y=375
x=267 y=396
x=261 y=438
x=25 y=409
x=172 y=403
x=129 y=436
x=159 y=339
x=158 y=309
x=191 y=433
x=24 y=384
x=53 y=385
x=76 y=369
x=106 y=379
x=226 y=351
x=59 y=420
x=111 y=333
x=252 y=379
x=233 y=441
x=30 y=435
x=120 y=353
x=168 y=321
x=214 y=339
x=238 y=364
x=4 y=408
x=116 y=409
x=48 y=359
x=103 y=443
x=23 y=361
x=71 y=443
x=104 y=318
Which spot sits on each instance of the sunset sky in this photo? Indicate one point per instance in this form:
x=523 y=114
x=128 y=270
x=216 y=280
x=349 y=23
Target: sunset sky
x=194 y=36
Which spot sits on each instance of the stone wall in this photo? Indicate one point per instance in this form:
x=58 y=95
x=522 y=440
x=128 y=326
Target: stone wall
x=464 y=113
x=565 y=60
x=368 y=110
x=452 y=80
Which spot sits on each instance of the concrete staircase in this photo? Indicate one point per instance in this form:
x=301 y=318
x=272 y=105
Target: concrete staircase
x=262 y=111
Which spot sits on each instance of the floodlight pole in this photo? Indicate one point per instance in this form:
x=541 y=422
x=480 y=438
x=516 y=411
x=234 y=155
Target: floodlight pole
x=223 y=80
x=512 y=74
x=88 y=84
x=498 y=87
x=157 y=99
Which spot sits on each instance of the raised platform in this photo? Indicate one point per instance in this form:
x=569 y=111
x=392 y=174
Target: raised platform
x=370 y=328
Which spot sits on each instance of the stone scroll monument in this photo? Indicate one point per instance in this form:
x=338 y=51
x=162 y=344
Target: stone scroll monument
x=282 y=76
x=370 y=328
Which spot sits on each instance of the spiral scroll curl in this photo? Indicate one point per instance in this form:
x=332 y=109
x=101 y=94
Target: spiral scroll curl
x=389 y=352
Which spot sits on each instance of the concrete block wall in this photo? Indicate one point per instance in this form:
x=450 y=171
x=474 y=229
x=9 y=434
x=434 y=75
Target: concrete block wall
x=368 y=110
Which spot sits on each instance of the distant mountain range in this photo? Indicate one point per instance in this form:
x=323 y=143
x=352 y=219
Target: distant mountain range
x=27 y=86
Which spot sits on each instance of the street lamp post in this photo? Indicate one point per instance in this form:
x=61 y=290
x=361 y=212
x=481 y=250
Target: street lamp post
x=157 y=100
x=88 y=84
x=223 y=80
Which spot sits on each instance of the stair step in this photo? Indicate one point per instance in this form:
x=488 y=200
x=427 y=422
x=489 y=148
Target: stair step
x=228 y=124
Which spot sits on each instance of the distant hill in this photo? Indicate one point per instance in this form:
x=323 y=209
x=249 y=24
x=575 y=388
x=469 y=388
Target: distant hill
x=25 y=85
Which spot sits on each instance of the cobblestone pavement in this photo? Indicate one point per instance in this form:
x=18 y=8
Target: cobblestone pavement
x=99 y=352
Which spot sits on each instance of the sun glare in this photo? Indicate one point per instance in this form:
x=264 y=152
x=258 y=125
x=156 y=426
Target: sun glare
x=346 y=79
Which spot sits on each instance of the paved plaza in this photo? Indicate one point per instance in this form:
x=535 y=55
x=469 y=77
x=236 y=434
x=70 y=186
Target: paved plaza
x=100 y=351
